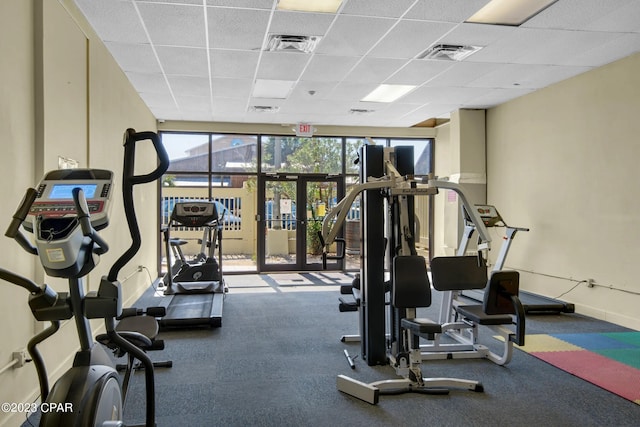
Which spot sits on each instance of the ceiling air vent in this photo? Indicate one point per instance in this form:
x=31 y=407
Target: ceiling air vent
x=360 y=111
x=291 y=43
x=264 y=109
x=449 y=52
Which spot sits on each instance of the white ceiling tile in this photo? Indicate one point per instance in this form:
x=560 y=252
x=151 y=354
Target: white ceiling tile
x=282 y=65
x=189 y=86
x=371 y=42
x=184 y=61
x=374 y=70
x=574 y=14
x=161 y=100
x=166 y=113
x=494 y=97
x=228 y=106
x=148 y=82
x=250 y=4
x=442 y=95
x=558 y=46
x=508 y=76
x=461 y=73
x=174 y=25
x=193 y=2
x=419 y=71
x=311 y=89
x=352 y=90
x=231 y=88
x=427 y=111
x=233 y=63
x=134 y=57
x=526 y=76
x=625 y=18
x=353 y=35
x=605 y=53
x=314 y=106
x=237 y=28
x=515 y=45
x=109 y=18
x=327 y=68
x=398 y=109
x=551 y=74
x=386 y=8
x=409 y=38
x=194 y=103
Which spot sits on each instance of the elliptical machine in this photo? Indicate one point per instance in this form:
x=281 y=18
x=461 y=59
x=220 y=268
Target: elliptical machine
x=64 y=214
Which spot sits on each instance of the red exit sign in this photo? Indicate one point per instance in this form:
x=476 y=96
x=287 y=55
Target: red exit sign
x=304 y=129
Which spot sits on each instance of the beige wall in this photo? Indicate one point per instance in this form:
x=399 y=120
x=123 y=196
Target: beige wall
x=459 y=157
x=61 y=94
x=17 y=142
x=564 y=162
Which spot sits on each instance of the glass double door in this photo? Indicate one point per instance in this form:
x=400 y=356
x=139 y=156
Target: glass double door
x=291 y=209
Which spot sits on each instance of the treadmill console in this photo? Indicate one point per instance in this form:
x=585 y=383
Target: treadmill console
x=195 y=213
x=488 y=213
x=55 y=199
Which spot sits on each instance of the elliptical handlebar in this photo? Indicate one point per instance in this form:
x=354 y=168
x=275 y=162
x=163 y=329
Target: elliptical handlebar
x=82 y=210
x=131 y=137
x=129 y=180
x=13 y=231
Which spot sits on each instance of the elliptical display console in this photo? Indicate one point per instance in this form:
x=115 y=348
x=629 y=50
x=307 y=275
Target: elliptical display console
x=53 y=218
x=54 y=197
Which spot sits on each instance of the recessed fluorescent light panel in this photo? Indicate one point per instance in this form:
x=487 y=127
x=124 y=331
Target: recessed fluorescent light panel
x=278 y=89
x=326 y=6
x=388 y=93
x=509 y=12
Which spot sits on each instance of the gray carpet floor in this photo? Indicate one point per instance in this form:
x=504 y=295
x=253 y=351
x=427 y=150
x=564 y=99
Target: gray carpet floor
x=275 y=359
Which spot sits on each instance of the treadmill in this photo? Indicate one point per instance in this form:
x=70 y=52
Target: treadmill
x=533 y=303
x=195 y=293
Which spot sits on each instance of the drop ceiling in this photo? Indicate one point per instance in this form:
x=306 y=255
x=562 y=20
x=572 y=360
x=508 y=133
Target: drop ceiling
x=201 y=60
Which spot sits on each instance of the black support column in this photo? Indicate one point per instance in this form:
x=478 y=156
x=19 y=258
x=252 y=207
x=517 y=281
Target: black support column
x=372 y=312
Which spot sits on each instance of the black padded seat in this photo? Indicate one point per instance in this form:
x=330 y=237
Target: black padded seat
x=177 y=242
x=145 y=325
x=139 y=330
x=458 y=273
x=476 y=314
x=421 y=326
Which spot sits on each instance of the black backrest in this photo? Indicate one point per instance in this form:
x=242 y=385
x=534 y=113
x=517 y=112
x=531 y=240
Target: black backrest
x=497 y=297
x=411 y=287
x=457 y=273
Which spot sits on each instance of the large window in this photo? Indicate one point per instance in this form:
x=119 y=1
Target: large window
x=227 y=169
x=421 y=154
x=188 y=152
x=302 y=155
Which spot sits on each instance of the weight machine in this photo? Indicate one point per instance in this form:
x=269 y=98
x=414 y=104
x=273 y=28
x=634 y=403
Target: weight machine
x=388 y=189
